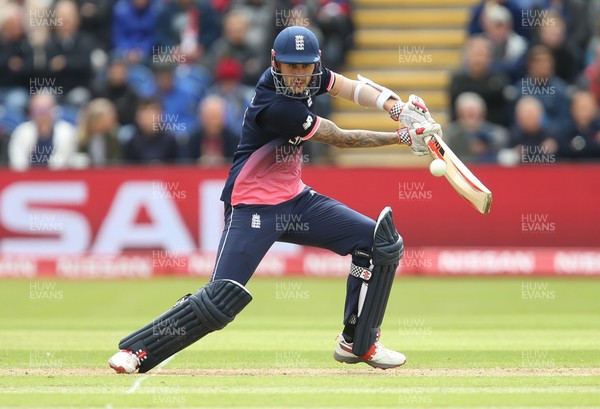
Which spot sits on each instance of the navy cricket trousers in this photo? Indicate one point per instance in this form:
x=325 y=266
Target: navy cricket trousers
x=309 y=219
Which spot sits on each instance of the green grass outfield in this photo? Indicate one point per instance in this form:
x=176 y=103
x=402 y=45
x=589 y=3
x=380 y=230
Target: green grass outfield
x=470 y=342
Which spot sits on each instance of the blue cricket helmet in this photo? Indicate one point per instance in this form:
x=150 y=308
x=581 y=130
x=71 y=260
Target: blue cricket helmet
x=296 y=45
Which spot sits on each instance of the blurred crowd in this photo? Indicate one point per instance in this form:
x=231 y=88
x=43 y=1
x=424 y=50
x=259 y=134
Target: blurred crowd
x=99 y=82
x=529 y=86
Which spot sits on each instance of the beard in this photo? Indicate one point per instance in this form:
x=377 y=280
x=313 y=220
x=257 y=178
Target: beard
x=297 y=84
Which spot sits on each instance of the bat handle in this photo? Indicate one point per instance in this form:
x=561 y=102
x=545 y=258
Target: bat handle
x=435 y=150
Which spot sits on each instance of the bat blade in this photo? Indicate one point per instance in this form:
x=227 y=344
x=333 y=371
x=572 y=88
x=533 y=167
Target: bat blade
x=460 y=177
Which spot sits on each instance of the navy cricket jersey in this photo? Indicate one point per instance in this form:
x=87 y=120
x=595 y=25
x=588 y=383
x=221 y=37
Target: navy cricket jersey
x=267 y=164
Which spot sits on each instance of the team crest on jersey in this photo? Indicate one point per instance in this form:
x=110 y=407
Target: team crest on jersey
x=309 y=102
x=255 y=223
x=299 y=42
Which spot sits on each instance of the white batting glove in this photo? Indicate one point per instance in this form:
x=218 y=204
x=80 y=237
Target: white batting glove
x=414 y=113
x=415 y=137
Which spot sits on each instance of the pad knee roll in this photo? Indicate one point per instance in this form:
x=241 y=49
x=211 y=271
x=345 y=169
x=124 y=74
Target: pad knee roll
x=388 y=246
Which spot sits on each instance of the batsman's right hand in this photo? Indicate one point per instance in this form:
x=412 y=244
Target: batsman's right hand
x=415 y=136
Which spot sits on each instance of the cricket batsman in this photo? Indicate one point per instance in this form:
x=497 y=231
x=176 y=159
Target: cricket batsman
x=261 y=187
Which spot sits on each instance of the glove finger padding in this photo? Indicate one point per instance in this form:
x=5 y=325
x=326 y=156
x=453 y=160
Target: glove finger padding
x=421 y=133
x=418 y=150
x=418 y=146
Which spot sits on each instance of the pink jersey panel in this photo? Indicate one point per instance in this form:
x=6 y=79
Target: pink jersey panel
x=270 y=176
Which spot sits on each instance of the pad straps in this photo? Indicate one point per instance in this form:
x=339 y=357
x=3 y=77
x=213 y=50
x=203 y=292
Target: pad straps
x=360 y=272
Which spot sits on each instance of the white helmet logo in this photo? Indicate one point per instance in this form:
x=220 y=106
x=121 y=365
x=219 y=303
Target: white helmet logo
x=300 y=42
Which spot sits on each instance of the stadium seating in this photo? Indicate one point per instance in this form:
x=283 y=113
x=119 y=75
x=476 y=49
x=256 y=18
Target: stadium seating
x=409 y=46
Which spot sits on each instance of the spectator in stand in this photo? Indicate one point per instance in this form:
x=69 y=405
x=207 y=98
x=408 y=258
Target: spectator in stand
x=477 y=76
x=178 y=103
x=471 y=137
x=260 y=14
x=532 y=16
x=118 y=91
x=591 y=75
x=151 y=141
x=567 y=56
x=190 y=25
x=330 y=20
x=9 y=120
x=44 y=140
x=529 y=4
x=476 y=23
x=334 y=18
x=542 y=83
x=221 y=6
x=16 y=66
x=531 y=140
x=16 y=60
x=4 y=136
x=578 y=16
x=579 y=27
x=213 y=144
x=233 y=44
x=236 y=95
x=68 y=55
x=593 y=17
x=39 y=20
x=98 y=128
x=582 y=140
x=301 y=14
x=96 y=20
x=507 y=47
x=593 y=43
x=133 y=26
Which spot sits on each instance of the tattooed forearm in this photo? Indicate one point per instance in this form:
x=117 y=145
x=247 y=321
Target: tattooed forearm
x=329 y=133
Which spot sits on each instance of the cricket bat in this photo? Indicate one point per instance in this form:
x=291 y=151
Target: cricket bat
x=460 y=177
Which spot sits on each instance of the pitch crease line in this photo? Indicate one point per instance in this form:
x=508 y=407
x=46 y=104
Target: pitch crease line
x=139 y=381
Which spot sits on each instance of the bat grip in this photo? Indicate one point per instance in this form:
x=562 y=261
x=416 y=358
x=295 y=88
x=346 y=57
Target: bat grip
x=434 y=149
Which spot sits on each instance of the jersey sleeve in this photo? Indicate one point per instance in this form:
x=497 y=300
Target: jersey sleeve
x=291 y=119
x=327 y=81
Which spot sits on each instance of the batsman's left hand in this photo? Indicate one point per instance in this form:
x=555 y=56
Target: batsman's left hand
x=415 y=114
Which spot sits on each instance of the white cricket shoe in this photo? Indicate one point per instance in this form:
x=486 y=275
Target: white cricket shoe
x=124 y=361
x=377 y=356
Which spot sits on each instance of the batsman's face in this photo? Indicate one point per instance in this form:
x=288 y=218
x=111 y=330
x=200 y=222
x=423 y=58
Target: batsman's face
x=297 y=76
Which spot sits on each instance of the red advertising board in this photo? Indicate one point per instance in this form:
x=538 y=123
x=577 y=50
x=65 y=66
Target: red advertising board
x=163 y=220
